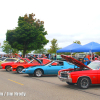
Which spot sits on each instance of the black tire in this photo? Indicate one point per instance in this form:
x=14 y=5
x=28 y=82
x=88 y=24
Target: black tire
x=19 y=69
x=83 y=83
x=8 y=68
x=38 y=73
x=70 y=83
x=30 y=75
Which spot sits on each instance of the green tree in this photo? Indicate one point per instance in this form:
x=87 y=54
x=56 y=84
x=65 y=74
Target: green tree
x=97 y=53
x=54 y=47
x=78 y=42
x=8 y=49
x=29 y=35
x=40 y=51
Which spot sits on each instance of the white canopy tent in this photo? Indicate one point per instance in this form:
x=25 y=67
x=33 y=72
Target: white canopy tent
x=2 y=53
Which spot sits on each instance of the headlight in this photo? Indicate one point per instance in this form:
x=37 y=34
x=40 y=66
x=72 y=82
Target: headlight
x=69 y=75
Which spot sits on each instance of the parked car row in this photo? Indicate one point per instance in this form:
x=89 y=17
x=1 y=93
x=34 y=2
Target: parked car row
x=22 y=63
x=71 y=71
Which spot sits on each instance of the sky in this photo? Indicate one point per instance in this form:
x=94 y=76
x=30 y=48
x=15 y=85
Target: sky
x=64 y=20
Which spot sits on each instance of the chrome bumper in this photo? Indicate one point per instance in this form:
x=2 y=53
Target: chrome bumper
x=0 y=67
x=65 y=79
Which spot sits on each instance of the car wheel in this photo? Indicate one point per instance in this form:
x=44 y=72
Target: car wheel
x=70 y=83
x=83 y=83
x=8 y=68
x=30 y=75
x=38 y=73
x=19 y=69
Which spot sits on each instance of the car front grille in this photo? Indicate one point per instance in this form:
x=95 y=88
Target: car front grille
x=63 y=74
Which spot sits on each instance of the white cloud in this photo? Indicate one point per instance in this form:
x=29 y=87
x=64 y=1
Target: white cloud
x=64 y=20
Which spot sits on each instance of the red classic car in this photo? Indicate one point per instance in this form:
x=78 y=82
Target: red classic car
x=81 y=75
x=7 y=65
x=34 y=62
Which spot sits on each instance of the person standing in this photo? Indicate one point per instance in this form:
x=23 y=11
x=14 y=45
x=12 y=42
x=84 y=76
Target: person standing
x=49 y=56
x=86 y=60
x=55 y=56
x=89 y=58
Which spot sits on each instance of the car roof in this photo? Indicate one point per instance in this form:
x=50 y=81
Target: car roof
x=11 y=58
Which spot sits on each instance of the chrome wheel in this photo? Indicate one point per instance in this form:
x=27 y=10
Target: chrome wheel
x=19 y=69
x=38 y=73
x=84 y=83
x=8 y=68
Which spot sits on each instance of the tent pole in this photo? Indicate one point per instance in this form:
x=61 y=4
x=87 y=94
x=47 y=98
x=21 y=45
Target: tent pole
x=91 y=56
x=71 y=54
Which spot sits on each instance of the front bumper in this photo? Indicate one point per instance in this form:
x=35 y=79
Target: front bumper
x=65 y=79
x=1 y=67
x=13 y=69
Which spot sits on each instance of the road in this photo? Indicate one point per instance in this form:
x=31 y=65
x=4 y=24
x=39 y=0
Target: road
x=15 y=86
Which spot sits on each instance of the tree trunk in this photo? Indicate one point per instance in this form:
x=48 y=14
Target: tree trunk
x=24 y=52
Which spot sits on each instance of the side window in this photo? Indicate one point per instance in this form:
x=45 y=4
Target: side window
x=21 y=60
x=57 y=64
x=7 y=60
x=13 y=60
x=54 y=64
x=61 y=63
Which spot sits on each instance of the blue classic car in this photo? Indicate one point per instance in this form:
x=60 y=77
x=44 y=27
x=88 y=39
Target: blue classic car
x=51 y=68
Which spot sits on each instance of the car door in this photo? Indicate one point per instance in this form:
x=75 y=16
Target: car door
x=98 y=74
x=54 y=68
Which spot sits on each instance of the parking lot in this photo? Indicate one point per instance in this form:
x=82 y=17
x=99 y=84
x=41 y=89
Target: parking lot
x=15 y=86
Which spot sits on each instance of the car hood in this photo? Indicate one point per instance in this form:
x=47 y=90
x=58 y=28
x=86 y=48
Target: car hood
x=37 y=60
x=74 y=61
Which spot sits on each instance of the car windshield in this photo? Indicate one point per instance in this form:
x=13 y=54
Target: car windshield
x=70 y=63
x=34 y=60
x=94 y=65
x=49 y=63
x=19 y=60
x=31 y=61
x=26 y=60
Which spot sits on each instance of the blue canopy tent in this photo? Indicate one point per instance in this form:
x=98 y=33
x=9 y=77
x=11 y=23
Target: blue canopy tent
x=69 y=48
x=96 y=49
x=90 y=47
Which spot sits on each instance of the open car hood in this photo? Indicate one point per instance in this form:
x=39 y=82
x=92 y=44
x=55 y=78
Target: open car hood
x=30 y=56
x=37 y=59
x=20 y=57
x=74 y=61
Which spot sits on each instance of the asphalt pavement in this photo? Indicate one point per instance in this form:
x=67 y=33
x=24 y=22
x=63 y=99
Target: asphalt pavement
x=15 y=86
